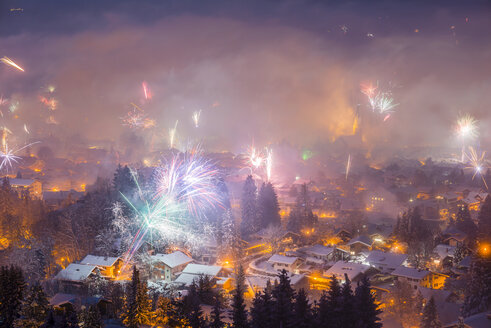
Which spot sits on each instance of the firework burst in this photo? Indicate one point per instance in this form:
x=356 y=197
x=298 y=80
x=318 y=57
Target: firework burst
x=8 y=156
x=478 y=163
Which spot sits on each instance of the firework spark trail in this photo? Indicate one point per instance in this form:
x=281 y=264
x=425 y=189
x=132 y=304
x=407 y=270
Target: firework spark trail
x=9 y=62
x=184 y=189
x=25 y=129
x=348 y=166
x=51 y=103
x=172 y=135
x=8 y=157
x=137 y=119
x=196 y=116
x=269 y=163
x=146 y=91
x=477 y=162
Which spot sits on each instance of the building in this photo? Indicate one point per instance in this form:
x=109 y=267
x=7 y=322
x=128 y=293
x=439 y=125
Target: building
x=219 y=275
x=73 y=277
x=354 y=271
x=33 y=187
x=108 y=266
x=288 y=263
x=385 y=262
x=324 y=253
x=420 y=278
x=359 y=244
x=258 y=283
x=167 y=266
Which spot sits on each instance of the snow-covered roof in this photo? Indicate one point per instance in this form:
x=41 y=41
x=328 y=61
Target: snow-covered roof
x=282 y=259
x=260 y=282
x=100 y=261
x=186 y=279
x=406 y=272
x=392 y=260
x=360 y=239
x=319 y=250
x=314 y=260
x=76 y=272
x=350 y=268
x=444 y=250
x=172 y=260
x=197 y=269
x=21 y=182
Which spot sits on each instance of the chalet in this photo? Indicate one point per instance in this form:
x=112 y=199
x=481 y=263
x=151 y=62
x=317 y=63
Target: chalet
x=324 y=253
x=344 y=235
x=386 y=262
x=480 y=320
x=109 y=267
x=454 y=237
x=289 y=263
x=420 y=278
x=73 y=277
x=72 y=301
x=353 y=270
x=219 y=275
x=359 y=244
x=167 y=266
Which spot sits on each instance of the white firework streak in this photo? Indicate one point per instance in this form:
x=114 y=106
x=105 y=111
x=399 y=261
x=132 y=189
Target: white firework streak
x=8 y=157
x=477 y=162
x=196 y=116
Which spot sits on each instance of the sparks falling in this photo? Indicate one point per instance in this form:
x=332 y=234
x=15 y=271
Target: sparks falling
x=255 y=158
x=9 y=62
x=196 y=116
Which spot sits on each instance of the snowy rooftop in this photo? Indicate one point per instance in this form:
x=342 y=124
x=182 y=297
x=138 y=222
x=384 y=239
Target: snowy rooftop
x=260 y=282
x=403 y=271
x=76 y=272
x=282 y=259
x=186 y=279
x=197 y=269
x=444 y=250
x=21 y=182
x=319 y=250
x=361 y=239
x=100 y=261
x=350 y=268
x=172 y=260
x=392 y=260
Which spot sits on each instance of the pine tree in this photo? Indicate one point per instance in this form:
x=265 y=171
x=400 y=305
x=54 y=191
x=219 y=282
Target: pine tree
x=91 y=318
x=144 y=304
x=302 y=311
x=216 y=314
x=484 y=219
x=239 y=312
x=268 y=206
x=248 y=206
x=348 y=316
x=322 y=312
x=257 y=314
x=11 y=294
x=131 y=304
x=478 y=291
x=123 y=181
x=430 y=316
x=283 y=296
x=302 y=217
x=335 y=304
x=461 y=251
x=366 y=310
x=34 y=309
x=464 y=223
x=69 y=319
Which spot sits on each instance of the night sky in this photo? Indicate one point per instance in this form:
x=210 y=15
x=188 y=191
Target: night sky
x=267 y=71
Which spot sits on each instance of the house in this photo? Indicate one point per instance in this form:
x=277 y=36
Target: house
x=420 y=278
x=76 y=272
x=454 y=237
x=289 y=263
x=324 y=253
x=444 y=251
x=258 y=283
x=33 y=187
x=385 y=262
x=219 y=275
x=108 y=266
x=359 y=244
x=73 y=277
x=343 y=234
x=353 y=270
x=167 y=266
x=65 y=301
